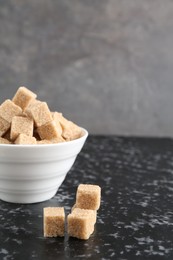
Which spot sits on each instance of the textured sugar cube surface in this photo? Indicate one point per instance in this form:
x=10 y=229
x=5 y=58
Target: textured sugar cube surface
x=8 y=110
x=25 y=139
x=88 y=196
x=55 y=117
x=71 y=131
x=80 y=225
x=4 y=126
x=56 y=140
x=23 y=97
x=59 y=118
x=40 y=113
x=51 y=141
x=92 y=213
x=32 y=106
x=44 y=142
x=48 y=131
x=21 y=125
x=54 y=221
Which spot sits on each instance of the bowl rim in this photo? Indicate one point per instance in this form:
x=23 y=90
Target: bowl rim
x=35 y=146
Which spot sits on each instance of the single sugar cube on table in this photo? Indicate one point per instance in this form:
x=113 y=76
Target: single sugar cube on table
x=25 y=139
x=21 y=125
x=4 y=126
x=80 y=223
x=88 y=196
x=8 y=110
x=54 y=221
x=39 y=112
x=23 y=97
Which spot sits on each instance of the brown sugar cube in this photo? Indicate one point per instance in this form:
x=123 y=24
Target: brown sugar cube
x=52 y=141
x=58 y=139
x=24 y=114
x=4 y=141
x=71 y=131
x=44 y=142
x=8 y=110
x=92 y=212
x=58 y=127
x=4 y=126
x=88 y=196
x=54 y=221
x=80 y=224
x=25 y=139
x=33 y=102
x=58 y=117
x=21 y=125
x=48 y=131
x=31 y=108
x=40 y=113
x=55 y=117
x=23 y=97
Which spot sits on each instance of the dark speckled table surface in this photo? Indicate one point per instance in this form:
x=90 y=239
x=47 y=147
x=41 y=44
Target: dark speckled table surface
x=135 y=220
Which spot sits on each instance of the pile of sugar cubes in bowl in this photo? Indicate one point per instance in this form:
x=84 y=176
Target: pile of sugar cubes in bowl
x=27 y=120
x=37 y=148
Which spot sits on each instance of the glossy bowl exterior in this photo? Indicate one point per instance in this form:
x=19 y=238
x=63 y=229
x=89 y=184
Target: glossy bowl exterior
x=33 y=173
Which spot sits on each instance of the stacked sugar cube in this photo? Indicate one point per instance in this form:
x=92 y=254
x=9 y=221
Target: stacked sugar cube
x=27 y=120
x=81 y=220
x=83 y=217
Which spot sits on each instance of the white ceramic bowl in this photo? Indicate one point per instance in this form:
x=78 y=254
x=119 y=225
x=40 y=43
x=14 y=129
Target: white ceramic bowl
x=33 y=173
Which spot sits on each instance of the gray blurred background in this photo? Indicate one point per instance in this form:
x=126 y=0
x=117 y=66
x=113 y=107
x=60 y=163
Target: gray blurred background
x=106 y=64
